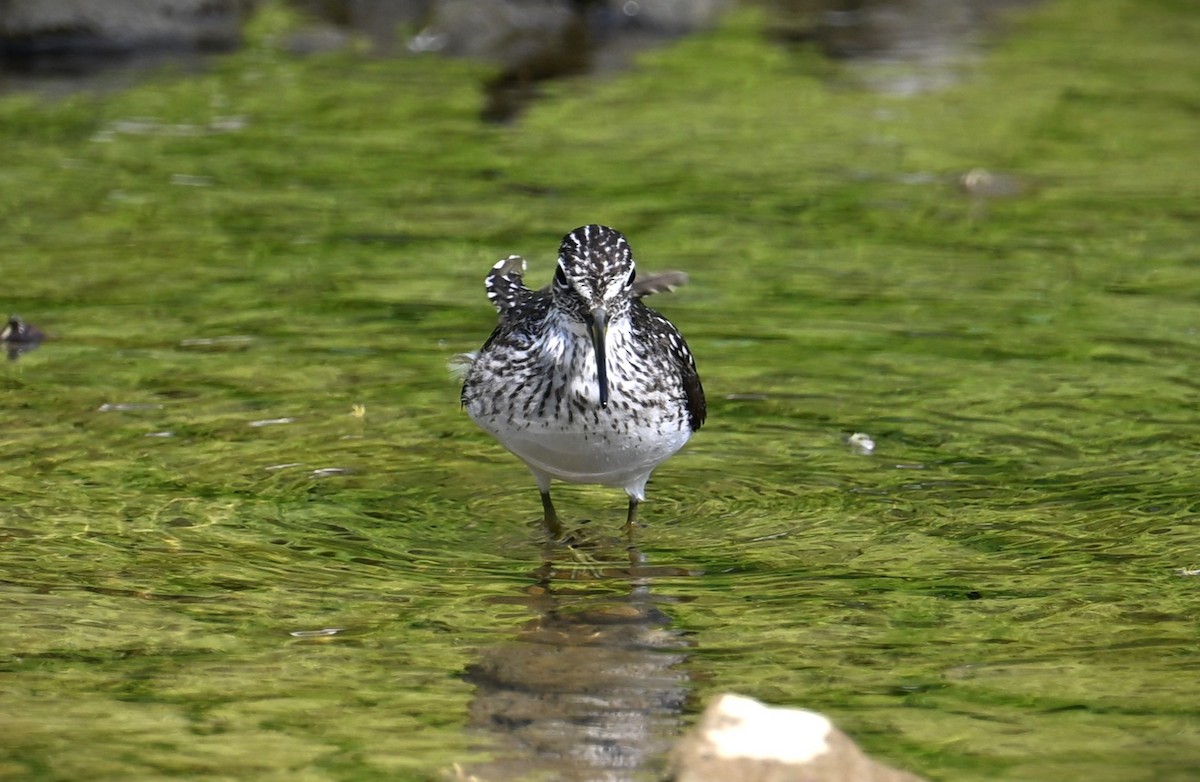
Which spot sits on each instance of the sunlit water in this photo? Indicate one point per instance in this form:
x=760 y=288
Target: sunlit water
x=247 y=532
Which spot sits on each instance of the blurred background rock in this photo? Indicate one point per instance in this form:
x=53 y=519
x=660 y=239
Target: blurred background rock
x=61 y=45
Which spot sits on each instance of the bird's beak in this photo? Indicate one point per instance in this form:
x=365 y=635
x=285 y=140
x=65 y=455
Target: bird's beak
x=597 y=326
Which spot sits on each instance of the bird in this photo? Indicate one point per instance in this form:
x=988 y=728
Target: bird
x=17 y=330
x=580 y=379
x=19 y=337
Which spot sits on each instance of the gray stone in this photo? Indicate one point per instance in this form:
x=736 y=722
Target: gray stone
x=511 y=33
x=124 y=24
x=674 y=17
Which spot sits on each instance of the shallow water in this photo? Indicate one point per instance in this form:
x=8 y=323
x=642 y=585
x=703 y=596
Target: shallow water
x=247 y=532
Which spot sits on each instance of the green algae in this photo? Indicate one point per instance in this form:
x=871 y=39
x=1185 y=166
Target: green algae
x=997 y=592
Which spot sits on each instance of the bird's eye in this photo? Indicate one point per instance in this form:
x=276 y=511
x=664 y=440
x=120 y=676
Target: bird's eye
x=560 y=276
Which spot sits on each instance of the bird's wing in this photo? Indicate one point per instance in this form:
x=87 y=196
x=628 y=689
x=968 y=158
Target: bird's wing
x=658 y=282
x=654 y=282
x=663 y=282
x=697 y=405
x=505 y=288
x=660 y=331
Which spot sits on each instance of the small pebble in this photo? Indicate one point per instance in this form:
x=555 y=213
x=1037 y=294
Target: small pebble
x=273 y=421
x=861 y=443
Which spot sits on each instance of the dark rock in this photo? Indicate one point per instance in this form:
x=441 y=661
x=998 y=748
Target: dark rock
x=668 y=17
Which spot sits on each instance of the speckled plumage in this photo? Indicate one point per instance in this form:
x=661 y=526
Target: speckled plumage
x=535 y=384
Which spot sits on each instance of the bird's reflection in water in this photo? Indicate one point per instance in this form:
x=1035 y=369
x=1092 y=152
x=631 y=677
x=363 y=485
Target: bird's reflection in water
x=592 y=687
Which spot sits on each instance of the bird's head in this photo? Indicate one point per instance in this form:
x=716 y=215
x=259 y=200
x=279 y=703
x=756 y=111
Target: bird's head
x=594 y=285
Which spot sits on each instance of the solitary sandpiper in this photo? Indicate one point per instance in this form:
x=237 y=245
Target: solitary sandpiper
x=580 y=379
x=19 y=337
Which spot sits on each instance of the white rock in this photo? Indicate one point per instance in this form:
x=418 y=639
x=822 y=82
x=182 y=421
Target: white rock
x=742 y=740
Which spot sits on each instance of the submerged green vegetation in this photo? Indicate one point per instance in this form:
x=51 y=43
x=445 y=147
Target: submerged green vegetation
x=243 y=428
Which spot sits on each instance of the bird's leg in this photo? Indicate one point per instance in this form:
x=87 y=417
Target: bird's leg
x=631 y=519
x=550 y=518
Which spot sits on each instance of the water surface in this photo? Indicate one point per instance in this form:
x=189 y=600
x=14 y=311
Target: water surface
x=248 y=533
